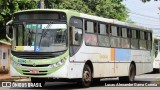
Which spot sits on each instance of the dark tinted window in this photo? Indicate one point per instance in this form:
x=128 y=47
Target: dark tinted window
x=76 y=23
x=39 y=16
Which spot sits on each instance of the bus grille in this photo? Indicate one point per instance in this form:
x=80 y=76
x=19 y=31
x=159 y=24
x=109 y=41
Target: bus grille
x=34 y=74
x=36 y=55
x=27 y=65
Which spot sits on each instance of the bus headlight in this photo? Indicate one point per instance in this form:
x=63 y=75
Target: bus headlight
x=61 y=62
x=15 y=64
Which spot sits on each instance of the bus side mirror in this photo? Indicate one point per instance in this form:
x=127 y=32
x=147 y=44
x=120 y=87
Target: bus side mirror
x=7 y=29
x=73 y=35
x=76 y=36
x=8 y=32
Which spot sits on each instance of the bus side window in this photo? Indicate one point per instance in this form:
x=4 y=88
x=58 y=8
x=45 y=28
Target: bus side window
x=103 y=39
x=115 y=39
x=89 y=27
x=114 y=30
x=102 y=29
x=125 y=42
x=142 y=41
x=90 y=36
x=134 y=39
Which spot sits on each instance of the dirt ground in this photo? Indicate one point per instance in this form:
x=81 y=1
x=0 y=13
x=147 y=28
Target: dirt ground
x=7 y=77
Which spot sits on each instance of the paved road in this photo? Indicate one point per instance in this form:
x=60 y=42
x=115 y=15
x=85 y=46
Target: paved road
x=146 y=78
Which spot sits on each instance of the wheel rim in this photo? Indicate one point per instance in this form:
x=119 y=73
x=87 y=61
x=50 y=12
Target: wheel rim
x=87 y=76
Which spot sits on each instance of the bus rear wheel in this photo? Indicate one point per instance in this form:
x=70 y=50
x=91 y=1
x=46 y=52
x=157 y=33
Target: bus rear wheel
x=131 y=76
x=38 y=80
x=86 y=77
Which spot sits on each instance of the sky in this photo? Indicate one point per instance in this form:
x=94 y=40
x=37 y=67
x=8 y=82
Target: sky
x=146 y=14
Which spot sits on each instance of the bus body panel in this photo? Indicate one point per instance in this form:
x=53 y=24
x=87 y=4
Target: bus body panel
x=75 y=70
x=109 y=62
x=25 y=67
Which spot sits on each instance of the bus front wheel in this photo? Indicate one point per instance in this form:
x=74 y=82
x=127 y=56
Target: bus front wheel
x=86 y=76
x=131 y=76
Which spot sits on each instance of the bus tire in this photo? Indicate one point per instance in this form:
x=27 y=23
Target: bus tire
x=38 y=80
x=131 y=76
x=86 y=77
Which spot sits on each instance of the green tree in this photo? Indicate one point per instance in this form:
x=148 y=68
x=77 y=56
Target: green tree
x=104 y=8
x=129 y=20
x=8 y=7
x=78 y=5
x=108 y=9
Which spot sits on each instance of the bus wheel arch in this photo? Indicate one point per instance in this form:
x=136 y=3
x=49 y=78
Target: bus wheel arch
x=89 y=63
x=87 y=74
x=131 y=73
x=133 y=63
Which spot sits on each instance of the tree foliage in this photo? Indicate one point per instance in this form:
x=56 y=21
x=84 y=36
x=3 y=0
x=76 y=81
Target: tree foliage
x=8 y=7
x=104 y=8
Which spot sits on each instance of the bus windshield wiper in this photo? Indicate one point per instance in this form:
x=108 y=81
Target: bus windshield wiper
x=44 y=32
x=30 y=32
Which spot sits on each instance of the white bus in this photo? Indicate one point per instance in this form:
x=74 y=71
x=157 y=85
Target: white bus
x=64 y=44
x=156 y=53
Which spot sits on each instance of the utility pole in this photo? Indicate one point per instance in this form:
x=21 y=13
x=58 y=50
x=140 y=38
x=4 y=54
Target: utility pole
x=41 y=4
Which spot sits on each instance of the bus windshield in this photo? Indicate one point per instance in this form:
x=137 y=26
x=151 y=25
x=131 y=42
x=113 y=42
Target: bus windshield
x=40 y=37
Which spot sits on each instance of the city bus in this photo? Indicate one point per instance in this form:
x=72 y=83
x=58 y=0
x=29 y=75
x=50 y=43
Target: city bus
x=50 y=44
x=156 y=54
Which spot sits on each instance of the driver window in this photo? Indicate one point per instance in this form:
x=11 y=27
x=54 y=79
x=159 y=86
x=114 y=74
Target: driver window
x=77 y=23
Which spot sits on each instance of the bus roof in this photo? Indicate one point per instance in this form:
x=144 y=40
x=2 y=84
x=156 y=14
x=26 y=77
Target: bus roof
x=62 y=10
x=72 y=12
